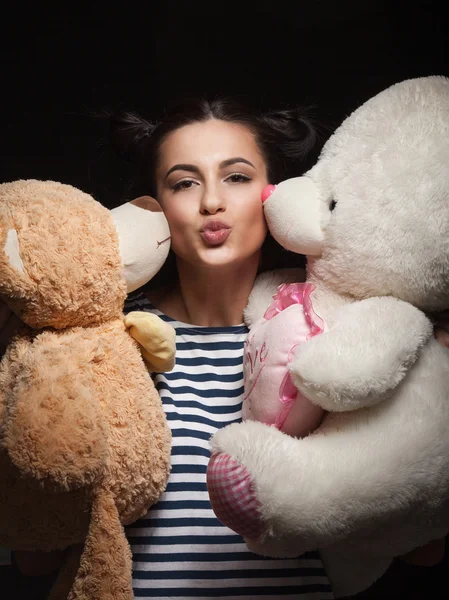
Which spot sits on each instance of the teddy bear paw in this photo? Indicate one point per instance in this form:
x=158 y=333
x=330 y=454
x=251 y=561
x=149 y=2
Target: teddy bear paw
x=233 y=497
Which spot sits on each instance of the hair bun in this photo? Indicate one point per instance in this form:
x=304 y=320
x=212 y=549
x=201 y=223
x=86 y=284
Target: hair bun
x=128 y=135
x=294 y=131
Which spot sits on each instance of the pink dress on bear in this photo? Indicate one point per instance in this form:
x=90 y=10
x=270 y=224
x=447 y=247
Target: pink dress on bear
x=270 y=395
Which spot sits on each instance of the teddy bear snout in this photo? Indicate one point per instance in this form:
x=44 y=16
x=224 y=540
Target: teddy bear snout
x=267 y=191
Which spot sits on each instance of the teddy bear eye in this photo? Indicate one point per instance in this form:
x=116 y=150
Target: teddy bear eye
x=332 y=205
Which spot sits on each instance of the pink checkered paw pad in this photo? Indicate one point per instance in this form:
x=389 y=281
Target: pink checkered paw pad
x=233 y=497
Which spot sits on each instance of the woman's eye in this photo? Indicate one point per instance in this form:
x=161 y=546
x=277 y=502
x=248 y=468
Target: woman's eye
x=238 y=178
x=185 y=184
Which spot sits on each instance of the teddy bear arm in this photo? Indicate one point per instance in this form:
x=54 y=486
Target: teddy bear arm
x=53 y=430
x=9 y=367
x=156 y=339
x=5 y=379
x=364 y=357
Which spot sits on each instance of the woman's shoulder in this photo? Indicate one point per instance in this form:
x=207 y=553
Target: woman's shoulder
x=158 y=297
x=150 y=300
x=139 y=301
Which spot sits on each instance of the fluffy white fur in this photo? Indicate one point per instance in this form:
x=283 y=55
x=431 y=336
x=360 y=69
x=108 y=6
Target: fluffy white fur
x=264 y=290
x=372 y=483
x=364 y=357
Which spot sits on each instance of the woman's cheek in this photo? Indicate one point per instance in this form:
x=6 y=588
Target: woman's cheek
x=257 y=229
x=257 y=216
x=180 y=238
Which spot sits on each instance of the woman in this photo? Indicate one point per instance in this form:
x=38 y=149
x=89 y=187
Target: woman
x=207 y=164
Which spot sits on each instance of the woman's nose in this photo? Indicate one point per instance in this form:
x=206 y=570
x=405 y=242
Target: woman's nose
x=212 y=203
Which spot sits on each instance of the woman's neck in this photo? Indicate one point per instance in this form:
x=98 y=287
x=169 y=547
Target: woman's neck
x=211 y=297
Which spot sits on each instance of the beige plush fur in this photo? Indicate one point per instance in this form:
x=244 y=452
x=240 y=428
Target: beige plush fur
x=84 y=444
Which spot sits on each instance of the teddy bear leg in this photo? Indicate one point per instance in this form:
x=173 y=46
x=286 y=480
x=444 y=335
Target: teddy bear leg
x=428 y=555
x=246 y=459
x=105 y=570
x=233 y=497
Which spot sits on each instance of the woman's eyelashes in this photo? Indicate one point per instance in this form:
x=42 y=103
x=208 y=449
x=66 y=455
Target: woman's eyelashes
x=238 y=178
x=233 y=178
x=185 y=184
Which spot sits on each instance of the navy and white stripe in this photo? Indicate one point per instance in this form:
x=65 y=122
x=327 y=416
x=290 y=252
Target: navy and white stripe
x=180 y=549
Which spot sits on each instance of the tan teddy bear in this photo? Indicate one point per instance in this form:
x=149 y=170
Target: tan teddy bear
x=84 y=444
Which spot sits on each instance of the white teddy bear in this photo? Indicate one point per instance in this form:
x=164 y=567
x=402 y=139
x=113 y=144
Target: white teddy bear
x=372 y=481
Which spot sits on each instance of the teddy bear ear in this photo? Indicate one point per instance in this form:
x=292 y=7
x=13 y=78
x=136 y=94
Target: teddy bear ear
x=9 y=242
x=11 y=249
x=147 y=203
x=11 y=258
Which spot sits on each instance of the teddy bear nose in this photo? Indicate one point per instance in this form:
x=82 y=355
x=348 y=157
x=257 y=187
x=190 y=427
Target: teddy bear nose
x=267 y=191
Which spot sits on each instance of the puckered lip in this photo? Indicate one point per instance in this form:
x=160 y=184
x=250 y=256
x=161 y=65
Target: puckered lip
x=214 y=225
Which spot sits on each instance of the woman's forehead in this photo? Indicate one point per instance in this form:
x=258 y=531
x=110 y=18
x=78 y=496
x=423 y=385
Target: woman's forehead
x=209 y=142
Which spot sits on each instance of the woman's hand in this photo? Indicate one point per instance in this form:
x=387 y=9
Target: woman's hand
x=34 y=564
x=9 y=325
x=441 y=327
x=426 y=556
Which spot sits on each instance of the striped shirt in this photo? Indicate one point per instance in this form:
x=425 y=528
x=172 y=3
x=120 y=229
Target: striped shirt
x=180 y=549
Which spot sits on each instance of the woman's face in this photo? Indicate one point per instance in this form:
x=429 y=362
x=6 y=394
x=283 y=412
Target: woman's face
x=210 y=179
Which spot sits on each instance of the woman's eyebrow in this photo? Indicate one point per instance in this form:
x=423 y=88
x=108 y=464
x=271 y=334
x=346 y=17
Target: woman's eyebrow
x=182 y=167
x=232 y=161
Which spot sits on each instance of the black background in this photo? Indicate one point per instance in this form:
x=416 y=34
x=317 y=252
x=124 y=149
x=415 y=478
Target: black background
x=62 y=62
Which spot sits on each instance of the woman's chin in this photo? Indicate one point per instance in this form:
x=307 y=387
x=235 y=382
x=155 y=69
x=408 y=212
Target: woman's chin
x=222 y=256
